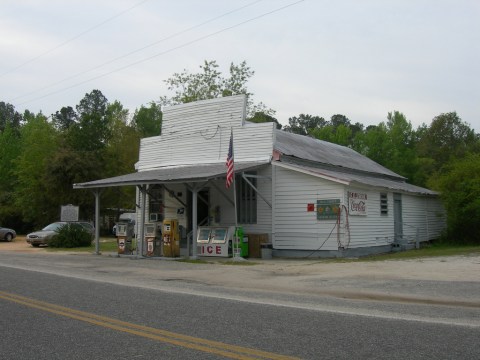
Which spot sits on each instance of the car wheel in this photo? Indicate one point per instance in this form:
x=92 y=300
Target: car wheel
x=9 y=237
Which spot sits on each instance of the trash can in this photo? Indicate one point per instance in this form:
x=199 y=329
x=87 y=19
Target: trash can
x=266 y=250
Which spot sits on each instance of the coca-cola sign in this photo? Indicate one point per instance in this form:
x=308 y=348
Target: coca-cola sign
x=357 y=203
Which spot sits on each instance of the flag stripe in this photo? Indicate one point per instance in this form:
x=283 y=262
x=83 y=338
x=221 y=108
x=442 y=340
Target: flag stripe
x=230 y=162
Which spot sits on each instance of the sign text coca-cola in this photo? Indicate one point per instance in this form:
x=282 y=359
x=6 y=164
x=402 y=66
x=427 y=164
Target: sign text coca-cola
x=357 y=203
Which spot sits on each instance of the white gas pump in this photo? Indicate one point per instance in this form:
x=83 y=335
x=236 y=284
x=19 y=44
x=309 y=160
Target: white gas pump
x=153 y=239
x=124 y=237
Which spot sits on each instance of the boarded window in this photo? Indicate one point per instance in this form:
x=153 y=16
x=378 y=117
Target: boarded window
x=384 y=204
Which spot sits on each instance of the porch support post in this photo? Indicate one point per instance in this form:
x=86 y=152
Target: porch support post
x=194 y=222
x=96 y=192
x=140 y=238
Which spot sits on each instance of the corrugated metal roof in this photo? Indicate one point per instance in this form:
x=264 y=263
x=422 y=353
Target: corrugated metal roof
x=352 y=179
x=304 y=147
x=171 y=174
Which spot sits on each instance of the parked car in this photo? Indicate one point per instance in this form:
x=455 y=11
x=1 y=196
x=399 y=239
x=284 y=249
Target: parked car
x=7 y=234
x=41 y=237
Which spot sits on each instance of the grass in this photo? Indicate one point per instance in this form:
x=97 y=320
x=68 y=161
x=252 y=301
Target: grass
x=106 y=245
x=192 y=261
x=431 y=250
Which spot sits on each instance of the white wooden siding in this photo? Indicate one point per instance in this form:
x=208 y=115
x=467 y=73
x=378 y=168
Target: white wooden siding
x=295 y=227
x=424 y=214
x=194 y=117
x=200 y=133
x=374 y=229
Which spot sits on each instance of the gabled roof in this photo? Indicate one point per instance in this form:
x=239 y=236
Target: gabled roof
x=323 y=152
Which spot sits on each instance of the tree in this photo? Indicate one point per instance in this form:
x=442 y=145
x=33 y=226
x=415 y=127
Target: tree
x=338 y=119
x=447 y=137
x=92 y=131
x=261 y=117
x=39 y=143
x=63 y=169
x=8 y=115
x=10 y=149
x=210 y=83
x=304 y=124
x=459 y=185
x=65 y=118
x=148 y=120
x=402 y=155
x=121 y=154
x=373 y=143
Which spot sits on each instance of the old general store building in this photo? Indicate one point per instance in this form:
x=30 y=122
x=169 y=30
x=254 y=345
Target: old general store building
x=306 y=197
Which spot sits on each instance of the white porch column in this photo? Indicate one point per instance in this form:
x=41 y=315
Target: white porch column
x=194 y=222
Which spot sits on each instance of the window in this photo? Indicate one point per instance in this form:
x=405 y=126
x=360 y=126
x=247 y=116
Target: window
x=155 y=197
x=383 y=204
x=246 y=199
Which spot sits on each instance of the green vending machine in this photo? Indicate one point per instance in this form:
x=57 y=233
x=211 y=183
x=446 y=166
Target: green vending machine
x=242 y=242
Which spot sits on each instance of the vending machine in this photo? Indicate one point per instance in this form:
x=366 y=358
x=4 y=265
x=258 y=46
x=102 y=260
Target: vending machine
x=240 y=243
x=124 y=238
x=153 y=239
x=171 y=238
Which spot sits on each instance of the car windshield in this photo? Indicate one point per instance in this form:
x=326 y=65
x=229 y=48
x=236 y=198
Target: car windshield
x=53 y=227
x=87 y=226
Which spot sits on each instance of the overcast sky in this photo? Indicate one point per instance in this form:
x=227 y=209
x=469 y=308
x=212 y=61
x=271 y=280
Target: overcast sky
x=359 y=58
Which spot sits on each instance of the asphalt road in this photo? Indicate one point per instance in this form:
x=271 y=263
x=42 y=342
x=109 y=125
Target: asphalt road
x=66 y=312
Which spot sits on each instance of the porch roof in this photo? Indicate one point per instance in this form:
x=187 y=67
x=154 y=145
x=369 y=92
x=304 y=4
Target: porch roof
x=352 y=179
x=171 y=174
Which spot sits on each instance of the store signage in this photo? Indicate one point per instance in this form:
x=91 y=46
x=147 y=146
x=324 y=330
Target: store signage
x=213 y=250
x=328 y=209
x=357 y=203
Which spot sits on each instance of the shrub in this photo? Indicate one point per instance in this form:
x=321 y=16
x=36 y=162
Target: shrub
x=460 y=192
x=71 y=236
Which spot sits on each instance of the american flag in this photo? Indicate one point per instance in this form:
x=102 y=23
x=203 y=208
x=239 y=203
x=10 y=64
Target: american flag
x=230 y=162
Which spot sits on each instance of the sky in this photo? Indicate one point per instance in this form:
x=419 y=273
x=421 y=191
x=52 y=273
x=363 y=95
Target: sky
x=359 y=58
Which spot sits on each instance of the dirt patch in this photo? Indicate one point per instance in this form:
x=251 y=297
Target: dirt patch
x=19 y=244
x=449 y=268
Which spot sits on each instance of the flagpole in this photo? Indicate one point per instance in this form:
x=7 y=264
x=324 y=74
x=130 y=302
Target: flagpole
x=234 y=199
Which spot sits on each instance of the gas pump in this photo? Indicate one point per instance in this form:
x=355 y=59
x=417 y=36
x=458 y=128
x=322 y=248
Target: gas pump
x=153 y=240
x=124 y=237
x=171 y=238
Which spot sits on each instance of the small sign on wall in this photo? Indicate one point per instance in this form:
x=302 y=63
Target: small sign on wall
x=357 y=203
x=328 y=209
x=310 y=207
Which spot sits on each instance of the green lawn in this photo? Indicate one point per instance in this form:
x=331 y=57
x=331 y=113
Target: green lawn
x=106 y=245
x=433 y=250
